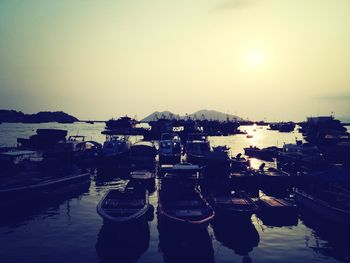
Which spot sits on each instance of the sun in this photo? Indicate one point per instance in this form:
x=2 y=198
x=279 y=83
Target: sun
x=254 y=58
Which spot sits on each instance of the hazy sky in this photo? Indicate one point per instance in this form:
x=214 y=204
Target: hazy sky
x=98 y=59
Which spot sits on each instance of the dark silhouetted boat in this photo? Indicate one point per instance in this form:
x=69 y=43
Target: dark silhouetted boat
x=264 y=153
x=142 y=155
x=43 y=139
x=234 y=204
x=169 y=149
x=129 y=205
x=180 y=203
x=277 y=211
x=197 y=146
x=330 y=205
x=114 y=152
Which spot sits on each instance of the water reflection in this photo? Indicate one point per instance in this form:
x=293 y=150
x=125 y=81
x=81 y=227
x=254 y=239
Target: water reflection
x=238 y=236
x=46 y=206
x=122 y=243
x=185 y=246
x=330 y=240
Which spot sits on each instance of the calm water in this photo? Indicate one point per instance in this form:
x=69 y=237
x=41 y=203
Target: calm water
x=70 y=230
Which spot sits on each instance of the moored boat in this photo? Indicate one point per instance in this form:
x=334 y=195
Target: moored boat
x=277 y=211
x=129 y=205
x=234 y=204
x=142 y=155
x=331 y=206
x=182 y=205
x=169 y=149
x=197 y=146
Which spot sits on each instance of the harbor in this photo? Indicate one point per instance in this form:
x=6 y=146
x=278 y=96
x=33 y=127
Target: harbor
x=222 y=198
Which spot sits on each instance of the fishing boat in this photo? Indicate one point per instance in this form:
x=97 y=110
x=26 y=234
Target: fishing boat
x=142 y=155
x=129 y=205
x=36 y=184
x=234 y=204
x=169 y=149
x=218 y=157
x=181 y=204
x=277 y=211
x=329 y=205
x=197 y=145
x=44 y=139
x=114 y=151
x=76 y=149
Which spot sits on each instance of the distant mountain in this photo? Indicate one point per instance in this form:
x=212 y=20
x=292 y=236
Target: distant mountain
x=160 y=114
x=201 y=114
x=214 y=115
x=40 y=117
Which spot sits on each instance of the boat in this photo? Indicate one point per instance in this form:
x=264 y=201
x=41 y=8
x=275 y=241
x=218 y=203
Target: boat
x=264 y=153
x=277 y=211
x=76 y=149
x=44 y=139
x=114 y=151
x=169 y=149
x=249 y=136
x=182 y=205
x=142 y=155
x=328 y=205
x=37 y=184
x=238 y=163
x=146 y=178
x=282 y=126
x=197 y=145
x=301 y=154
x=217 y=157
x=235 y=204
x=128 y=205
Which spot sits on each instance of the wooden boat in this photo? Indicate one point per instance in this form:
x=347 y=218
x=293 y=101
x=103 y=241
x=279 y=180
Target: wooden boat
x=277 y=211
x=129 y=205
x=33 y=185
x=331 y=206
x=183 y=205
x=236 y=204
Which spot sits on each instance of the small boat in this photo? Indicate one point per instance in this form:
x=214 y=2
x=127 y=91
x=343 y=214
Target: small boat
x=331 y=206
x=234 y=204
x=169 y=149
x=184 y=170
x=197 y=146
x=114 y=151
x=129 y=205
x=249 y=136
x=182 y=204
x=264 y=153
x=142 y=155
x=277 y=211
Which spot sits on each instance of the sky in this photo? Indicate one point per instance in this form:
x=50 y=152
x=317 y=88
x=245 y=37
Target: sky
x=258 y=59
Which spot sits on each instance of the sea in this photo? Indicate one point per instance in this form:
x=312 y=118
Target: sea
x=70 y=230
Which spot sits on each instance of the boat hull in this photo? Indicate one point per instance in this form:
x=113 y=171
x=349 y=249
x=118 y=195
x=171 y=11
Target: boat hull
x=323 y=209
